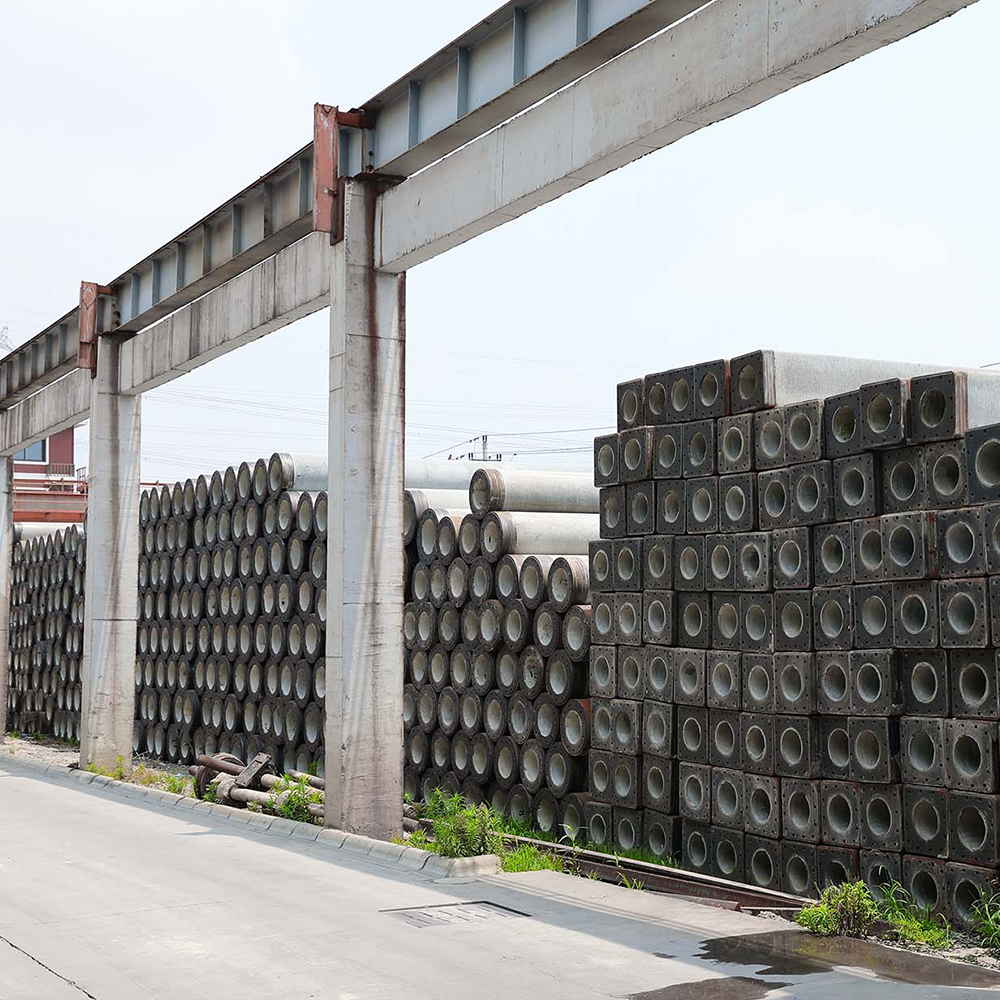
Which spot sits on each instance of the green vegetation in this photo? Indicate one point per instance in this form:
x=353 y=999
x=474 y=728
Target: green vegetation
x=986 y=920
x=851 y=910
x=912 y=924
x=528 y=858
x=848 y=909
x=210 y=793
x=291 y=798
x=459 y=830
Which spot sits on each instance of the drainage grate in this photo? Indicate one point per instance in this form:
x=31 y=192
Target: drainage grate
x=454 y=913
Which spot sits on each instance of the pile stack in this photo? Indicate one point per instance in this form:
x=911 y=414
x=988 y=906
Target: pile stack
x=232 y=608
x=497 y=633
x=44 y=691
x=792 y=673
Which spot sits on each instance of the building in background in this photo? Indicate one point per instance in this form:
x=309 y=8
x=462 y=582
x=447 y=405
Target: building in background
x=46 y=484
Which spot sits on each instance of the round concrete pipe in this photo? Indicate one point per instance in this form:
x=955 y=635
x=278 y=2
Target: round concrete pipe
x=563 y=773
x=576 y=632
x=471 y=713
x=457 y=581
x=531 y=668
x=506 y=762
x=469 y=537
x=427 y=531
x=537 y=533
x=447 y=539
x=495 y=715
x=564 y=678
x=438 y=474
x=299 y=472
x=568 y=582
x=532 y=579
x=481 y=759
x=507 y=577
x=528 y=490
x=575 y=726
x=460 y=668
x=416 y=501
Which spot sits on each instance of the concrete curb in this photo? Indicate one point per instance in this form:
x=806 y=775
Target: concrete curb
x=411 y=858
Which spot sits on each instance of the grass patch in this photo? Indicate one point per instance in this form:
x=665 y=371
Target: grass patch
x=460 y=830
x=986 y=920
x=528 y=858
x=912 y=924
x=850 y=910
x=291 y=798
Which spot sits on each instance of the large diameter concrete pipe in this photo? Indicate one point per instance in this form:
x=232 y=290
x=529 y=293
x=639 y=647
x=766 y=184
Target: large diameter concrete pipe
x=536 y=533
x=438 y=474
x=298 y=472
x=529 y=490
x=415 y=502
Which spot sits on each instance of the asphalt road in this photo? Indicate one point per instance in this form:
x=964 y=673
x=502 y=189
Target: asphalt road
x=104 y=898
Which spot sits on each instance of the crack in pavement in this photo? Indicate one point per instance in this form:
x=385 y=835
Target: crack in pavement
x=69 y=982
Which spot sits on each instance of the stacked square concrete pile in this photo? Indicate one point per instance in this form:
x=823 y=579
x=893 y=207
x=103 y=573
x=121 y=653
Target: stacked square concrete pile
x=44 y=687
x=497 y=632
x=794 y=672
x=232 y=608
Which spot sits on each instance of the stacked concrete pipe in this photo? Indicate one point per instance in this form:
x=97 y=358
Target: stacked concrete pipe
x=232 y=611
x=796 y=614
x=497 y=631
x=44 y=690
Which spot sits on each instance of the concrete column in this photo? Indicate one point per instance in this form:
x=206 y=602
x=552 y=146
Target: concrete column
x=364 y=645
x=6 y=574
x=111 y=604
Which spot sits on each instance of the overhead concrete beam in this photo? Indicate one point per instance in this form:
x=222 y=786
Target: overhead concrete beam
x=730 y=56
x=293 y=283
x=59 y=405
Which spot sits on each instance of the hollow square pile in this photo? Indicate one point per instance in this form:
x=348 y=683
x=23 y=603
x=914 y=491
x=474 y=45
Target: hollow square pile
x=795 y=611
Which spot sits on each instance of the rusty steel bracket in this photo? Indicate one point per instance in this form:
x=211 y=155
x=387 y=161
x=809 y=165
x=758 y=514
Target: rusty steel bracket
x=250 y=776
x=90 y=293
x=328 y=185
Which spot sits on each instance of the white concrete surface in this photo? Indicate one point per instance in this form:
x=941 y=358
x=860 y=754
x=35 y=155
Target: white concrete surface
x=127 y=899
x=107 y=668
x=728 y=57
x=293 y=283
x=62 y=404
x=364 y=633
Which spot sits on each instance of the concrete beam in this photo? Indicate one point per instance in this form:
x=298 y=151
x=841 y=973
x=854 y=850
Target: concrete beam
x=109 y=628
x=59 y=405
x=293 y=283
x=364 y=637
x=730 y=56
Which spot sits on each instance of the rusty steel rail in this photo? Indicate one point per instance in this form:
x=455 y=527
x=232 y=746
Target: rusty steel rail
x=676 y=881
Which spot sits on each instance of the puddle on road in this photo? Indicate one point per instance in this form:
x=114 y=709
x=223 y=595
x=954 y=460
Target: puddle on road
x=794 y=953
x=724 y=988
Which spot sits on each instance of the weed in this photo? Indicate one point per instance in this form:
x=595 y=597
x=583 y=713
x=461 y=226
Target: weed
x=528 y=858
x=986 y=920
x=419 y=839
x=120 y=774
x=210 y=793
x=910 y=923
x=290 y=798
x=254 y=807
x=313 y=768
x=176 y=784
x=15 y=733
x=631 y=883
x=460 y=830
x=846 y=909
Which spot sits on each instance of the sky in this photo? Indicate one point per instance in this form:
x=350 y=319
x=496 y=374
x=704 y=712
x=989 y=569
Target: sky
x=856 y=215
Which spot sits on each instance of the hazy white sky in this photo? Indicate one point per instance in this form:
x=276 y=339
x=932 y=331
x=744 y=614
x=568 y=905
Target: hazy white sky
x=856 y=215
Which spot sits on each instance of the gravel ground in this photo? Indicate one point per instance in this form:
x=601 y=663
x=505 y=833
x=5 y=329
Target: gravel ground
x=49 y=750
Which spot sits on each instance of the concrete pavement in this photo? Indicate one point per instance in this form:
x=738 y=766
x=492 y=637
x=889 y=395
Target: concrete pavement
x=106 y=898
